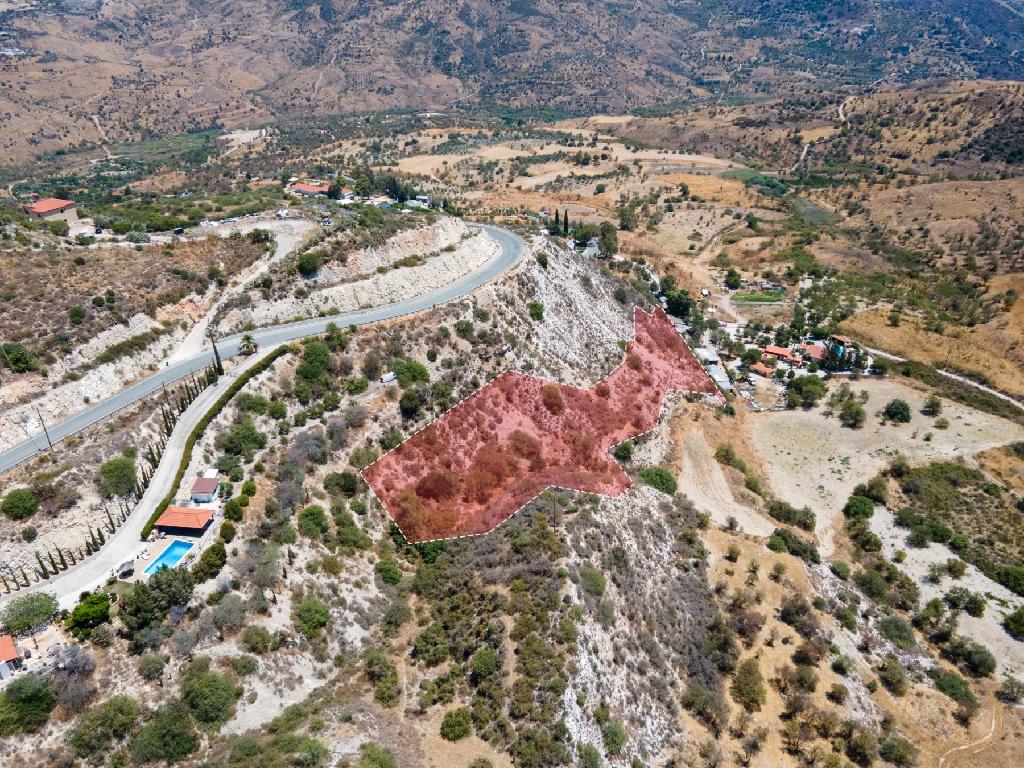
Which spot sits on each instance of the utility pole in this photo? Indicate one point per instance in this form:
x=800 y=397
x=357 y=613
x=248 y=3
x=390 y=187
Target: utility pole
x=46 y=432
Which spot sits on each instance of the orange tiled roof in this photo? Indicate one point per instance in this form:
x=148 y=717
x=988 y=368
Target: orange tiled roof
x=315 y=189
x=8 y=650
x=762 y=369
x=48 y=205
x=775 y=351
x=181 y=517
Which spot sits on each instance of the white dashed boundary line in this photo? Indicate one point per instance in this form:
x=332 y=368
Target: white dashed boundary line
x=716 y=397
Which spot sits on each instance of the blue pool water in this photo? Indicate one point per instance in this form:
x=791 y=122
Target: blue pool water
x=170 y=556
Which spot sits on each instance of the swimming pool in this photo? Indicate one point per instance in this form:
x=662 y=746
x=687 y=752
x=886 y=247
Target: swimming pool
x=170 y=556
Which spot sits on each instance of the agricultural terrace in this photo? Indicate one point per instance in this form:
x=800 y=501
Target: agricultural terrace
x=475 y=466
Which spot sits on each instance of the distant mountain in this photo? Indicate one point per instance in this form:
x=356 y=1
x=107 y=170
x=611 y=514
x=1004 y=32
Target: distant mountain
x=148 y=67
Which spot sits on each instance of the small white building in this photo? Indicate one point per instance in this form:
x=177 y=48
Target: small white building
x=388 y=377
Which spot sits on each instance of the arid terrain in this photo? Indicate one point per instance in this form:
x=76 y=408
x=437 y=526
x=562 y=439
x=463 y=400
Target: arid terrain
x=524 y=385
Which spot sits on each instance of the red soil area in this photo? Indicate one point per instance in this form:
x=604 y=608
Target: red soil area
x=475 y=466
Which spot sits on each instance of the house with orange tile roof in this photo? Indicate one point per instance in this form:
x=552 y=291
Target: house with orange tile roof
x=305 y=189
x=184 y=521
x=52 y=209
x=9 y=653
x=762 y=370
x=815 y=352
x=780 y=353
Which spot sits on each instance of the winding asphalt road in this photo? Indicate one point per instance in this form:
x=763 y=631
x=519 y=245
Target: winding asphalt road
x=512 y=248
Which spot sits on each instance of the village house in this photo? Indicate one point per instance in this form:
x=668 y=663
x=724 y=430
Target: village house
x=10 y=657
x=306 y=189
x=813 y=352
x=781 y=353
x=52 y=209
x=184 y=521
x=762 y=370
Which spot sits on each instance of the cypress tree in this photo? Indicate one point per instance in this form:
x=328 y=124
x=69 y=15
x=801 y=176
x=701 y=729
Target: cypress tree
x=43 y=573
x=53 y=563
x=63 y=562
x=25 y=576
x=102 y=538
x=565 y=224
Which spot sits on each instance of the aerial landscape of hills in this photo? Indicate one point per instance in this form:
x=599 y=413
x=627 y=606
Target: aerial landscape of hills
x=511 y=384
x=132 y=70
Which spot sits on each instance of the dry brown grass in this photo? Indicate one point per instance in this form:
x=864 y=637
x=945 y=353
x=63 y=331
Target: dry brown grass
x=994 y=349
x=36 y=306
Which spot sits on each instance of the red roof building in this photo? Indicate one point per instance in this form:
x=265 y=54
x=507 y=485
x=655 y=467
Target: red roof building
x=8 y=650
x=185 y=519
x=813 y=351
x=49 y=208
x=762 y=370
x=302 y=188
x=782 y=353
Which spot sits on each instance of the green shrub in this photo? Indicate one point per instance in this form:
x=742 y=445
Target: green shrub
x=859 y=507
x=96 y=730
x=20 y=504
x=658 y=478
x=91 y=611
x=897 y=410
x=954 y=686
x=313 y=522
x=151 y=665
x=593 y=581
x=893 y=676
x=310 y=615
x=898 y=751
x=787 y=513
x=244 y=665
x=840 y=569
x=388 y=571
x=25 y=704
x=256 y=639
x=897 y=631
x=169 y=736
x=457 y=724
x=747 y=688
x=614 y=736
x=372 y=756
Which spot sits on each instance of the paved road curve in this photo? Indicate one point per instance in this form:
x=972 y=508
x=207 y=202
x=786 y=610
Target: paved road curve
x=512 y=248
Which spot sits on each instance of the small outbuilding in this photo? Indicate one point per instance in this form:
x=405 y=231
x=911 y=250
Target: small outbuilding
x=204 y=489
x=184 y=521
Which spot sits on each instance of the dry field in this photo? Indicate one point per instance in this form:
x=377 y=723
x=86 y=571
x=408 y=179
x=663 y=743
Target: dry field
x=36 y=309
x=994 y=349
x=813 y=460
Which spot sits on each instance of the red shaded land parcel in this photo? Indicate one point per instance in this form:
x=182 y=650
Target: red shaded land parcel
x=475 y=466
